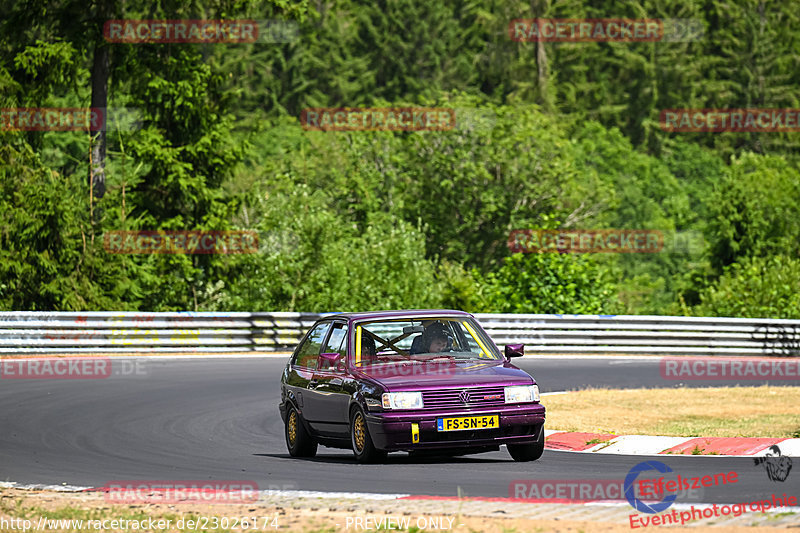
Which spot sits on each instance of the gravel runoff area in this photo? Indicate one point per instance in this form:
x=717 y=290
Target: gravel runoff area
x=330 y=512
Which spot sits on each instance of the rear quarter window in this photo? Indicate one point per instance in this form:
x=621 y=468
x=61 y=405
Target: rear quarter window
x=309 y=350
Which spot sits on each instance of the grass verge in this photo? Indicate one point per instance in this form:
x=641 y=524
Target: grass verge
x=680 y=412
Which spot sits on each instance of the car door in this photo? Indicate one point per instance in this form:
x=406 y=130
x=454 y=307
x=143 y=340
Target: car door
x=300 y=373
x=330 y=401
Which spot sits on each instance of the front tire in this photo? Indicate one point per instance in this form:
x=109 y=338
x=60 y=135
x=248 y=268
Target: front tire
x=528 y=452
x=363 y=448
x=298 y=441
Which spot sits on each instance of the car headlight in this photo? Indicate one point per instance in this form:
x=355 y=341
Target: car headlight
x=522 y=394
x=402 y=400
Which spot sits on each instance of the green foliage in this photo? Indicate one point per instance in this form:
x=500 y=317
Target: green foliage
x=755 y=64
x=51 y=253
x=472 y=187
x=313 y=261
x=756 y=210
x=755 y=287
x=568 y=137
x=548 y=283
x=697 y=171
x=459 y=288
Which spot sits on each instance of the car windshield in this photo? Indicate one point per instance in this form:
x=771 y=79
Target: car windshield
x=423 y=340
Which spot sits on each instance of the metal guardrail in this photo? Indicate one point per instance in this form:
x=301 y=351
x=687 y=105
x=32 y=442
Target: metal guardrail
x=118 y=332
x=631 y=334
x=28 y=332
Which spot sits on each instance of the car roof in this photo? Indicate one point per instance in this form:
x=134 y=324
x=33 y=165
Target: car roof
x=408 y=313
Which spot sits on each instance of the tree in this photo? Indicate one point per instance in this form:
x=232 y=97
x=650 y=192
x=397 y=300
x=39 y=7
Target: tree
x=755 y=287
x=756 y=210
x=180 y=158
x=548 y=283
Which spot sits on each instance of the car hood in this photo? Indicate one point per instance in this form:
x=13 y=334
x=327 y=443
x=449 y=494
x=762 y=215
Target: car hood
x=473 y=373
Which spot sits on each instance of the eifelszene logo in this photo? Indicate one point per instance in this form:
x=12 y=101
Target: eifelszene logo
x=635 y=502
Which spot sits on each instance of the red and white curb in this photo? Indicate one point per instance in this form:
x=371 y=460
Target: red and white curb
x=656 y=445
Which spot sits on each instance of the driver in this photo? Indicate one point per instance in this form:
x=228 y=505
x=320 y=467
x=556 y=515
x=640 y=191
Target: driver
x=436 y=338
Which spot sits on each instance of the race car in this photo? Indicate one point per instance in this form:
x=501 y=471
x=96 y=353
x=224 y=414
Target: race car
x=421 y=381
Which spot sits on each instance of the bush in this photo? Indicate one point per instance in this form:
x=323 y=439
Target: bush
x=758 y=287
x=548 y=283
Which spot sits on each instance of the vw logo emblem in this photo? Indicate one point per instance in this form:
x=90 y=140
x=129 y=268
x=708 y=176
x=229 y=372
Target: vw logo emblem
x=464 y=395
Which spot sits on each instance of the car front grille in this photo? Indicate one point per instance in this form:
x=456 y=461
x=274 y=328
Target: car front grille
x=474 y=396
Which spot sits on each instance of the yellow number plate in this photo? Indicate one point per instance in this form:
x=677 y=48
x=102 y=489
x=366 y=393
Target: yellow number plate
x=468 y=422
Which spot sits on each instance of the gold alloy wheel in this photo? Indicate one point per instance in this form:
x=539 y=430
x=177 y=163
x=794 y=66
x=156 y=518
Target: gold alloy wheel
x=359 y=432
x=292 y=427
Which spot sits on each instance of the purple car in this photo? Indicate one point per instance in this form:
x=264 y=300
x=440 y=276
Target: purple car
x=418 y=381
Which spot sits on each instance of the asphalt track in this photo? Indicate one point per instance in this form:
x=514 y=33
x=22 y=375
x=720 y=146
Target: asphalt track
x=217 y=419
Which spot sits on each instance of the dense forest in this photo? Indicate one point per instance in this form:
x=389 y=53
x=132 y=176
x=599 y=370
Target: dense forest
x=549 y=135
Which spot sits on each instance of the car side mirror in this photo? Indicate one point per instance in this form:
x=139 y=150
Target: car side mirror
x=515 y=350
x=328 y=361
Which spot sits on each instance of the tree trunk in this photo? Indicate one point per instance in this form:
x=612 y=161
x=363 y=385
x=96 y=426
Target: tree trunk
x=97 y=169
x=539 y=8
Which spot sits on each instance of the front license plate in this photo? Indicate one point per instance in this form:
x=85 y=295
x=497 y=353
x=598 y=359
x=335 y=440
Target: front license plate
x=468 y=422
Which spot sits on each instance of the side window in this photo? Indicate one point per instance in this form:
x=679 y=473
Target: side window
x=335 y=342
x=309 y=351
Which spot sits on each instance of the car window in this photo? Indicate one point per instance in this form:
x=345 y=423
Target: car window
x=394 y=340
x=335 y=342
x=310 y=349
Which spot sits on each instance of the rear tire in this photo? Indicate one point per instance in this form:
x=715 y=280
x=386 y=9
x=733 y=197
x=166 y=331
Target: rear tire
x=363 y=448
x=528 y=452
x=298 y=441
